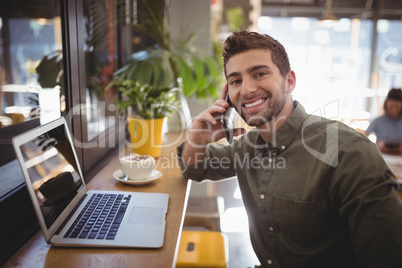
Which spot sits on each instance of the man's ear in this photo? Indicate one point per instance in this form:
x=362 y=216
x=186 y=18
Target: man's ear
x=290 y=82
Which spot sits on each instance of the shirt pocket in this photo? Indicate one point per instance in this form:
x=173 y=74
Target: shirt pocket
x=297 y=221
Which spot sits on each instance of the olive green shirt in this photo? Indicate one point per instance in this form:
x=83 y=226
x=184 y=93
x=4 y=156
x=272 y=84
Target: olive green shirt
x=319 y=194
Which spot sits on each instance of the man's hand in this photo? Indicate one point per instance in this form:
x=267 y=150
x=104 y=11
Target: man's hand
x=205 y=129
x=388 y=148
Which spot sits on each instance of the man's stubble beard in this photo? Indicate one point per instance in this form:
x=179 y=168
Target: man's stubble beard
x=275 y=106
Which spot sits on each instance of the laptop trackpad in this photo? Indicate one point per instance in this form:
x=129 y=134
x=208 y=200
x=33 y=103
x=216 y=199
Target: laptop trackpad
x=141 y=215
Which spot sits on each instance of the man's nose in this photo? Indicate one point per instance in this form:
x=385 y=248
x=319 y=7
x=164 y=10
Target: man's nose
x=248 y=87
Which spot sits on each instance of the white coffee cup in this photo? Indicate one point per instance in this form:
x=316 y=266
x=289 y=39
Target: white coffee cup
x=137 y=167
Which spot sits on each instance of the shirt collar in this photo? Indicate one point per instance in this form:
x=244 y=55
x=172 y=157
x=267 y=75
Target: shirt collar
x=284 y=135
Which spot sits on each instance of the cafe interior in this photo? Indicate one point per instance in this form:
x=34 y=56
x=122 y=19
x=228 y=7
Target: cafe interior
x=58 y=58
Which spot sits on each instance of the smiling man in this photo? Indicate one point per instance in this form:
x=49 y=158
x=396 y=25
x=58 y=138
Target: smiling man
x=317 y=193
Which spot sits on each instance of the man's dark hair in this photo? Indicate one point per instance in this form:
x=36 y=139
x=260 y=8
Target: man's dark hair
x=241 y=41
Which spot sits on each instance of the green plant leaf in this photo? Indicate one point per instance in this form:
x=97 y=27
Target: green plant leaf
x=200 y=71
x=155 y=71
x=187 y=75
x=147 y=101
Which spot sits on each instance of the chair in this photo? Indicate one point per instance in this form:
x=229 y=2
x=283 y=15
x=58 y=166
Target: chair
x=206 y=249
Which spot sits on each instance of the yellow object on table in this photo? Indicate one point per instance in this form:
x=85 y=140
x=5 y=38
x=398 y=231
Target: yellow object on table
x=146 y=135
x=202 y=249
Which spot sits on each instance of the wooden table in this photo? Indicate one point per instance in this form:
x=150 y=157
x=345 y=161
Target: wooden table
x=394 y=162
x=37 y=253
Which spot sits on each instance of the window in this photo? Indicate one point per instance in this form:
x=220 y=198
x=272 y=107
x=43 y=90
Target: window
x=32 y=92
x=388 y=68
x=56 y=57
x=95 y=106
x=31 y=72
x=332 y=62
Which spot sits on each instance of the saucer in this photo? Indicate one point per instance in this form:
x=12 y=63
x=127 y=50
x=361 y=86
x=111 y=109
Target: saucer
x=118 y=175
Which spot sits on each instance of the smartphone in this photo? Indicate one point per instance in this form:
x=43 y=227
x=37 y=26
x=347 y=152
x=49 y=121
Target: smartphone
x=228 y=120
x=391 y=145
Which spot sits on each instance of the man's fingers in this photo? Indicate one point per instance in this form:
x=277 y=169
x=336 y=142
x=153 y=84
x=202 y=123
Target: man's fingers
x=221 y=103
x=212 y=118
x=224 y=92
x=212 y=113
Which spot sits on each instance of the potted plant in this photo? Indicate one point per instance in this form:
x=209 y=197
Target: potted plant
x=151 y=77
x=167 y=62
x=151 y=105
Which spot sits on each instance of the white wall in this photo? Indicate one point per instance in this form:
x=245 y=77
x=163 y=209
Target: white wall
x=192 y=16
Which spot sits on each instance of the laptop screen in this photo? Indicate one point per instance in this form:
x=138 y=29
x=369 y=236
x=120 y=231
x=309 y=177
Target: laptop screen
x=52 y=168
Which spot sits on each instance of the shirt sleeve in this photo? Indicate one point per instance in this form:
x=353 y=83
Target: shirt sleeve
x=364 y=191
x=217 y=164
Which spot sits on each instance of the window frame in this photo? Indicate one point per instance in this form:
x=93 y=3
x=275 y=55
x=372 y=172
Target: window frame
x=21 y=222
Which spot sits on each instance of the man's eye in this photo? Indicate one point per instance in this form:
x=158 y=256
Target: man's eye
x=234 y=82
x=260 y=74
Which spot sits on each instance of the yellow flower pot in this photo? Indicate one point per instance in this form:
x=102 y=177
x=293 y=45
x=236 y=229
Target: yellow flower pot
x=146 y=135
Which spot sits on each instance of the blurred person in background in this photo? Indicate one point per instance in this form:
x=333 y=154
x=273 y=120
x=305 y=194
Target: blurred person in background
x=388 y=127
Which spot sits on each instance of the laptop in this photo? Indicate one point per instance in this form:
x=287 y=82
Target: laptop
x=69 y=214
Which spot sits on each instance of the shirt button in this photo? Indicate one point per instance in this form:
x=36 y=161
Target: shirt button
x=283 y=147
x=262 y=196
x=271 y=229
x=269 y=262
x=270 y=160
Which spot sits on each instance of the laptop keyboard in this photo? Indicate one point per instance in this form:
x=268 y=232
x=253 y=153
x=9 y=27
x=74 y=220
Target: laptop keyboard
x=100 y=218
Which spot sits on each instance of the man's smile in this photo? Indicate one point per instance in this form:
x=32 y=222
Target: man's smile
x=253 y=103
